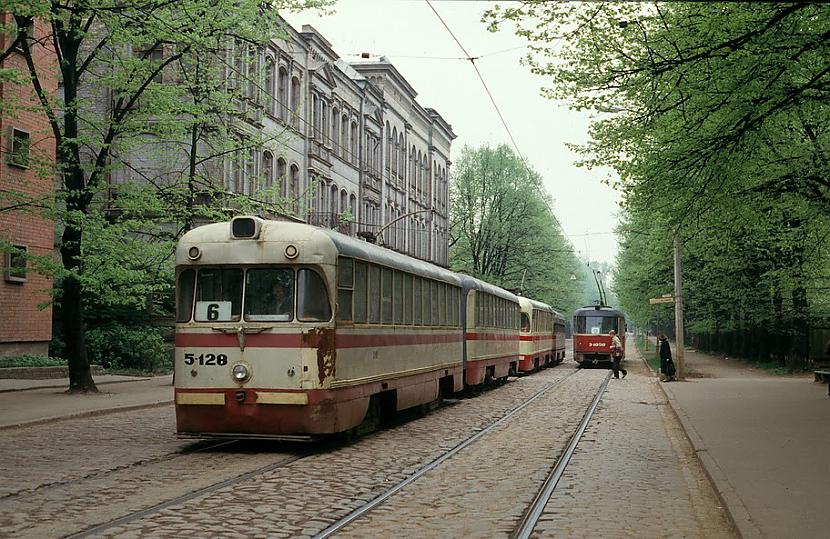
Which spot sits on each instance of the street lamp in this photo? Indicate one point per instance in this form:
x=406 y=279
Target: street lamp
x=372 y=237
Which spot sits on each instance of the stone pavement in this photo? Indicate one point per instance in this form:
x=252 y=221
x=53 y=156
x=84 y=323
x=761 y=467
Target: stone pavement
x=25 y=402
x=762 y=439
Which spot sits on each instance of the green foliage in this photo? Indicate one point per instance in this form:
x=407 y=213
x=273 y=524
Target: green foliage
x=718 y=133
x=152 y=107
x=31 y=361
x=502 y=231
x=117 y=347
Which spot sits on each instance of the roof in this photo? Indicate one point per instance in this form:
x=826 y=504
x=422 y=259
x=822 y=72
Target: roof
x=596 y=310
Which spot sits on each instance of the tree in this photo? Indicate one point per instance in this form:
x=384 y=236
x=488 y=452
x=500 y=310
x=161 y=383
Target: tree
x=502 y=230
x=718 y=133
x=111 y=57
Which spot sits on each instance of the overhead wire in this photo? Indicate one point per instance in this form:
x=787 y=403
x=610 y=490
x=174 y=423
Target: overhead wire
x=472 y=59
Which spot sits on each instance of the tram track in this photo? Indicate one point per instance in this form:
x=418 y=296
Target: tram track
x=375 y=502
x=185 y=497
x=202 y=447
x=537 y=507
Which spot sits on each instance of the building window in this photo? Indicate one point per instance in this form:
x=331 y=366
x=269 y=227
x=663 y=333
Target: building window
x=15 y=264
x=269 y=86
x=268 y=169
x=19 y=155
x=295 y=102
x=282 y=88
x=294 y=193
x=281 y=177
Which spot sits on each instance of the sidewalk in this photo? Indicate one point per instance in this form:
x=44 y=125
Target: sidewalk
x=25 y=402
x=762 y=439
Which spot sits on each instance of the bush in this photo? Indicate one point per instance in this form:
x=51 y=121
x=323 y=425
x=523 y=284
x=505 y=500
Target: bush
x=122 y=348
x=31 y=361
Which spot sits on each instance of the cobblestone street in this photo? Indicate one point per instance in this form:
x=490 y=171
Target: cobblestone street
x=632 y=458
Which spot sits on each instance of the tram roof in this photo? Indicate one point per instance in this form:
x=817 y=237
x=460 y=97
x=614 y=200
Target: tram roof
x=471 y=283
x=596 y=310
x=288 y=231
x=525 y=302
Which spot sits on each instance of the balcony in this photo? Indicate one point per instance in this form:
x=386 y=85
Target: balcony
x=332 y=221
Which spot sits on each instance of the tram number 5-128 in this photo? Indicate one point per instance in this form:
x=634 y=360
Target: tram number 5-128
x=206 y=359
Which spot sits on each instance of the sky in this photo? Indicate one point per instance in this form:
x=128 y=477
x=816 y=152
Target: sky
x=410 y=34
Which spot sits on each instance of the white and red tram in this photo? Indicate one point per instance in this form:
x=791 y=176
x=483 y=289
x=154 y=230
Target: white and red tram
x=491 y=329
x=288 y=329
x=536 y=337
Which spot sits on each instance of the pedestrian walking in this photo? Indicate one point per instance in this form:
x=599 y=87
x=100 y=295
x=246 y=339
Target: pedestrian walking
x=667 y=369
x=616 y=355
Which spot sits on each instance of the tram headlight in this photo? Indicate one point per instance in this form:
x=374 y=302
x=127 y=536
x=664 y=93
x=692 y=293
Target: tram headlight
x=194 y=253
x=240 y=373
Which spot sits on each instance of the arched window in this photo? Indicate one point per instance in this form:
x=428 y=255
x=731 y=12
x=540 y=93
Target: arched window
x=324 y=121
x=250 y=173
x=315 y=116
x=252 y=73
x=239 y=62
x=268 y=169
x=268 y=98
x=333 y=200
x=388 y=150
x=394 y=167
x=344 y=135
x=402 y=160
x=294 y=191
x=354 y=141
x=353 y=206
x=284 y=188
x=412 y=176
x=295 y=102
x=282 y=92
x=344 y=201
x=335 y=131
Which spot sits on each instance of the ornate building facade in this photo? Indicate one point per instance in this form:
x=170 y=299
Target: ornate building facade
x=347 y=142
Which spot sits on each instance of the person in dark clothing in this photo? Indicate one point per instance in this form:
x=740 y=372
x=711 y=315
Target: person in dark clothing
x=666 y=363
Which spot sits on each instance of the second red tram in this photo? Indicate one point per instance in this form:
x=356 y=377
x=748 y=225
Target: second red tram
x=591 y=339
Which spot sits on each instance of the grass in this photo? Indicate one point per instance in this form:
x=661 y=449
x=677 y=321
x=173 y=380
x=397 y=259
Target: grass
x=650 y=355
x=31 y=361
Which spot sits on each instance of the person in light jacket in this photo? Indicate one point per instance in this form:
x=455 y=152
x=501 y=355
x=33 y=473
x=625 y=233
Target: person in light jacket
x=616 y=355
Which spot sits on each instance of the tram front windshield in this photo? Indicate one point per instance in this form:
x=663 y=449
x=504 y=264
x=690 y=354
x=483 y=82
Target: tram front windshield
x=269 y=295
x=596 y=325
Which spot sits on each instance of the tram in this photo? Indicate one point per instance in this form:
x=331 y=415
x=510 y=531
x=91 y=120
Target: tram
x=536 y=340
x=284 y=328
x=291 y=331
x=591 y=341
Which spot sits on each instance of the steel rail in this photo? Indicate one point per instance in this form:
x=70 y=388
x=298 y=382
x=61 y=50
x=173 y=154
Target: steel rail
x=537 y=507
x=367 y=507
x=184 y=498
x=120 y=468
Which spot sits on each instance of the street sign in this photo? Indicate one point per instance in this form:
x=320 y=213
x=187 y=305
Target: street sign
x=655 y=301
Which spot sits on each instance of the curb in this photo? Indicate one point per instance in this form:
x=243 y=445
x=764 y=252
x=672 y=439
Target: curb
x=735 y=509
x=88 y=413
x=61 y=386
x=43 y=373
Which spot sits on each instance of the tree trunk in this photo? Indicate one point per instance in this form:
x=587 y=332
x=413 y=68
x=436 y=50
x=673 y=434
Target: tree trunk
x=80 y=375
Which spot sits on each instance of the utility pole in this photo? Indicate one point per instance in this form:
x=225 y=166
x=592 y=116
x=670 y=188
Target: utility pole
x=678 y=308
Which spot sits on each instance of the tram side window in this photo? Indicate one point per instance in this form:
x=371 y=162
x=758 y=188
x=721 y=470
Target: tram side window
x=397 y=296
x=386 y=295
x=360 y=292
x=218 y=295
x=345 y=288
x=442 y=304
x=374 y=294
x=269 y=295
x=313 y=302
x=417 y=296
x=407 y=298
x=525 y=322
x=436 y=303
x=184 y=305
